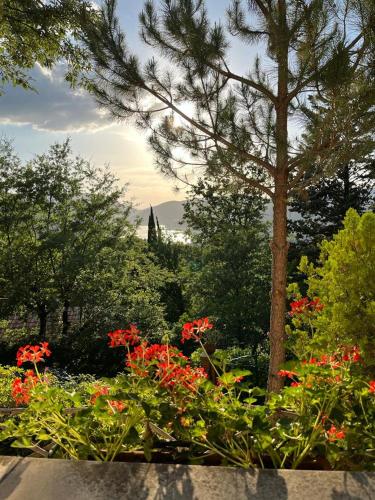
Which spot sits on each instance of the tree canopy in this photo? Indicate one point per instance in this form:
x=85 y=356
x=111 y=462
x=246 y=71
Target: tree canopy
x=44 y=32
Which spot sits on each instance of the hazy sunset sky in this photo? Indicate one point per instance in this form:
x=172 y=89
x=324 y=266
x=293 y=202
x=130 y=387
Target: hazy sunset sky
x=35 y=120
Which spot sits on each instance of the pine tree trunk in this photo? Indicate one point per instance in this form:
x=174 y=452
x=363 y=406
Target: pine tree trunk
x=279 y=247
x=279 y=244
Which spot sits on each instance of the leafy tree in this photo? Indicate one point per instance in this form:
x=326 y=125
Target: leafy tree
x=323 y=207
x=238 y=125
x=57 y=213
x=344 y=280
x=66 y=246
x=122 y=286
x=36 y=31
x=228 y=274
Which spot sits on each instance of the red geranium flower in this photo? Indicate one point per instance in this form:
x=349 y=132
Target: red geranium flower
x=145 y=356
x=172 y=375
x=372 y=387
x=334 y=434
x=117 y=406
x=124 y=337
x=100 y=391
x=114 y=405
x=195 y=329
x=287 y=373
x=21 y=389
x=352 y=354
x=304 y=305
x=32 y=353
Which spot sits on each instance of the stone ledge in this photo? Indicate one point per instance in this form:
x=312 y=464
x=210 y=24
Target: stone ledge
x=42 y=479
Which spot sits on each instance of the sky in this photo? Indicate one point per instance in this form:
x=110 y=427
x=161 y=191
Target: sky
x=35 y=120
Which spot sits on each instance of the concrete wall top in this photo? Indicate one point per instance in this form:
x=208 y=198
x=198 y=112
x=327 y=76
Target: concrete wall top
x=43 y=479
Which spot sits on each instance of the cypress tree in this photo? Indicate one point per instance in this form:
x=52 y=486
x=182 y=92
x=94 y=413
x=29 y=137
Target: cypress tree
x=152 y=236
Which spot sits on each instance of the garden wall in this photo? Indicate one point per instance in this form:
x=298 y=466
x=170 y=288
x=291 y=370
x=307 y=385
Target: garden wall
x=41 y=479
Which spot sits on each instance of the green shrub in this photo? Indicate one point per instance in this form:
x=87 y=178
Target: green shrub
x=344 y=281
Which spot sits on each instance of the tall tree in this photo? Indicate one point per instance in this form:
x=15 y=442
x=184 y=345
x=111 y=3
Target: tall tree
x=57 y=213
x=239 y=124
x=228 y=275
x=322 y=207
x=44 y=32
x=152 y=235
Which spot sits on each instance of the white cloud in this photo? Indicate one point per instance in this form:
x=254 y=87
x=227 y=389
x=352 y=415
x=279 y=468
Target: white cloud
x=54 y=107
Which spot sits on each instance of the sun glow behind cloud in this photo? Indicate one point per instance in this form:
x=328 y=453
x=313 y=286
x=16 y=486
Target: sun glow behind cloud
x=36 y=120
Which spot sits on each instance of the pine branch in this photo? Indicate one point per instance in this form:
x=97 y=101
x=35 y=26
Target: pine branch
x=246 y=81
x=214 y=136
x=315 y=74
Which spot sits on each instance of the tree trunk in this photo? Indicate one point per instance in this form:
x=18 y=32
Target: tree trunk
x=279 y=244
x=42 y=314
x=65 y=319
x=279 y=247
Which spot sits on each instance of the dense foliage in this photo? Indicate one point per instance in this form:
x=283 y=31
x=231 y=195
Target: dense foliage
x=319 y=211
x=40 y=32
x=344 y=280
x=71 y=266
x=227 y=274
x=164 y=405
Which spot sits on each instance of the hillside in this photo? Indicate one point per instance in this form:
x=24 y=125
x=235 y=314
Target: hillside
x=170 y=214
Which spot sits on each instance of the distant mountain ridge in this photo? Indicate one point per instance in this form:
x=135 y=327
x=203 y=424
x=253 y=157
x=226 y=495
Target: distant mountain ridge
x=170 y=213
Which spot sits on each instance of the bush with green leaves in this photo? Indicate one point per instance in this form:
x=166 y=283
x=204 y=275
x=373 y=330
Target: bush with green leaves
x=344 y=281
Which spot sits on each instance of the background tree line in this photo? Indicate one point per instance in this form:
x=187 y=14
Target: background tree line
x=70 y=259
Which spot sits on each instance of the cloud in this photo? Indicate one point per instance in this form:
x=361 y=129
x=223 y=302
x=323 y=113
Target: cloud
x=54 y=107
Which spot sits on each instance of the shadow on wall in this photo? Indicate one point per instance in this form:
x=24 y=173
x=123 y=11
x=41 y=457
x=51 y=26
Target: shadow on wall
x=42 y=479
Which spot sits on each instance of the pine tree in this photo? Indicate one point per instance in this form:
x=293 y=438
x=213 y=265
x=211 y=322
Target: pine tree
x=152 y=237
x=239 y=124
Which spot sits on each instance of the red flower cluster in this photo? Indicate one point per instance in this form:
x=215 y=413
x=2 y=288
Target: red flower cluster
x=100 y=391
x=124 y=337
x=114 y=405
x=351 y=354
x=287 y=373
x=21 y=389
x=324 y=360
x=32 y=353
x=166 y=361
x=334 y=434
x=156 y=352
x=304 y=306
x=171 y=374
x=372 y=387
x=195 y=329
